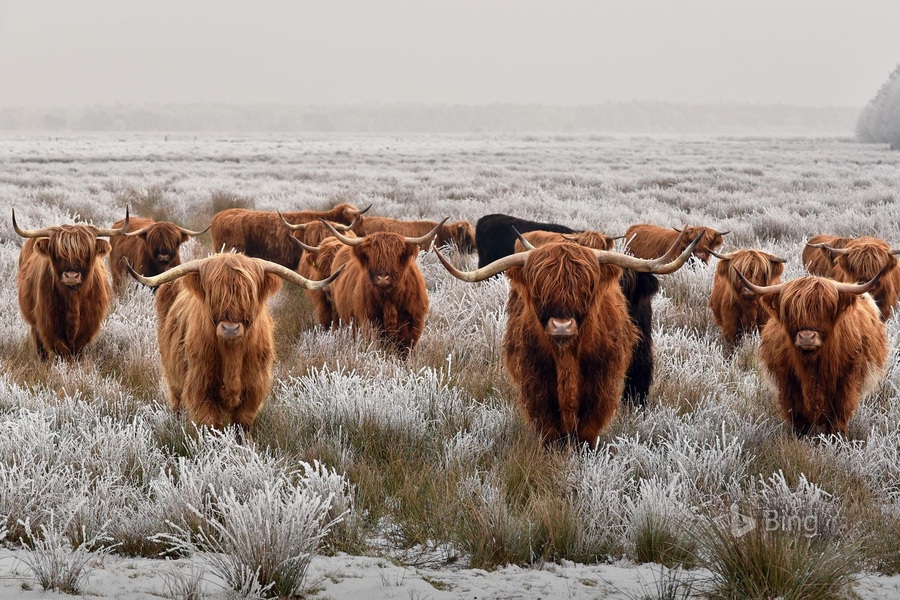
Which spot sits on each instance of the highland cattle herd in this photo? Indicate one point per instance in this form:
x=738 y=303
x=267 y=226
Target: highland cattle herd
x=578 y=340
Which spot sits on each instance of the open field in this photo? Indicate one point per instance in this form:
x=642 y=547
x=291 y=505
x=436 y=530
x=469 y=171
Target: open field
x=437 y=480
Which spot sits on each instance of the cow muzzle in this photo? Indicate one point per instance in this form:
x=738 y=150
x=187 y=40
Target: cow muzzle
x=808 y=340
x=383 y=281
x=561 y=330
x=163 y=259
x=229 y=331
x=71 y=278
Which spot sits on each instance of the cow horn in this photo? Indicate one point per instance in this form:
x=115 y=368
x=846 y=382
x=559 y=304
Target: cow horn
x=721 y=232
x=298 y=279
x=615 y=237
x=721 y=256
x=829 y=248
x=166 y=276
x=98 y=232
x=498 y=266
x=181 y=229
x=860 y=288
x=344 y=239
x=306 y=247
x=676 y=229
x=528 y=245
x=36 y=233
x=352 y=224
x=291 y=226
x=775 y=258
x=895 y=250
x=426 y=239
x=759 y=290
x=190 y=233
x=661 y=266
x=28 y=233
x=365 y=210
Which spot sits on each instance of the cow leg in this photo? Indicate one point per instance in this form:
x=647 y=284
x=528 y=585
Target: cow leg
x=801 y=424
x=204 y=413
x=39 y=345
x=640 y=373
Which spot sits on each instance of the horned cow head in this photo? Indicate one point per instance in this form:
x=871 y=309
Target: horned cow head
x=385 y=255
x=760 y=268
x=232 y=287
x=561 y=280
x=807 y=308
x=163 y=240
x=71 y=249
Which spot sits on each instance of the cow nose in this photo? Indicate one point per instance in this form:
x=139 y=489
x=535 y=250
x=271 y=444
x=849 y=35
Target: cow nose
x=164 y=258
x=229 y=330
x=561 y=328
x=71 y=278
x=808 y=340
x=382 y=280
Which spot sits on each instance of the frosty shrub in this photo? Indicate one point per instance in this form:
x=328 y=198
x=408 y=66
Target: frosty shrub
x=50 y=555
x=182 y=585
x=261 y=544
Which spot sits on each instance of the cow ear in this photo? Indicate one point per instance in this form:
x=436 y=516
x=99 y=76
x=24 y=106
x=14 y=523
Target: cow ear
x=192 y=282
x=515 y=275
x=360 y=254
x=722 y=267
x=102 y=247
x=777 y=269
x=771 y=302
x=845 y=301
x=42 y=246
x=610 y=274
x=270 y=285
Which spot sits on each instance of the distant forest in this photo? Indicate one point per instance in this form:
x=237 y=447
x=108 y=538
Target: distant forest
x=624 y=117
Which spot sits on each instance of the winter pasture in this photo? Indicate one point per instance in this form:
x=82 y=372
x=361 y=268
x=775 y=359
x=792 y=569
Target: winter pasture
x=371 y=477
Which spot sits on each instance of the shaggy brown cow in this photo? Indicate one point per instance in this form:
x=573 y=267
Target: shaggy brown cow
x=461 y=233
x=216 y=334
x=652 y=241
x=63 y=285
x=569 y=338
x=382 y=285
x=589 y=239
x=316 y=264
x=822 y=351
x=860 y=260
x=735 y=308
x=816 y=257
x=263 y=234
x=150 y=246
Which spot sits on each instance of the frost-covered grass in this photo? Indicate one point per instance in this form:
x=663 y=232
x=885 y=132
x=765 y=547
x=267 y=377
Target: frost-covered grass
x=428 y=461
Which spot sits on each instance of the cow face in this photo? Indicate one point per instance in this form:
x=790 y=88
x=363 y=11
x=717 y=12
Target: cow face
x=384 y=256
x=560 y=282
x=163 y=241
x=711 y=240
x=862 y=259
x=808 y=309
x=234 y=292
x=760 y=268
x=591 y=239
x=72 y=251
x=462 y=234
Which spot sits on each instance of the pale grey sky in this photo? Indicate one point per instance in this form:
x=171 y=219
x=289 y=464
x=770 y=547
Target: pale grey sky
x=812 y=52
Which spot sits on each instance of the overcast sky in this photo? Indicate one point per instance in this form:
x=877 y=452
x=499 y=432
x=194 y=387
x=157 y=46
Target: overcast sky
x=813 y=52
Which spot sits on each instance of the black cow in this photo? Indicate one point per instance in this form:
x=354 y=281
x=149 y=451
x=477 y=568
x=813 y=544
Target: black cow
x=495 y=237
